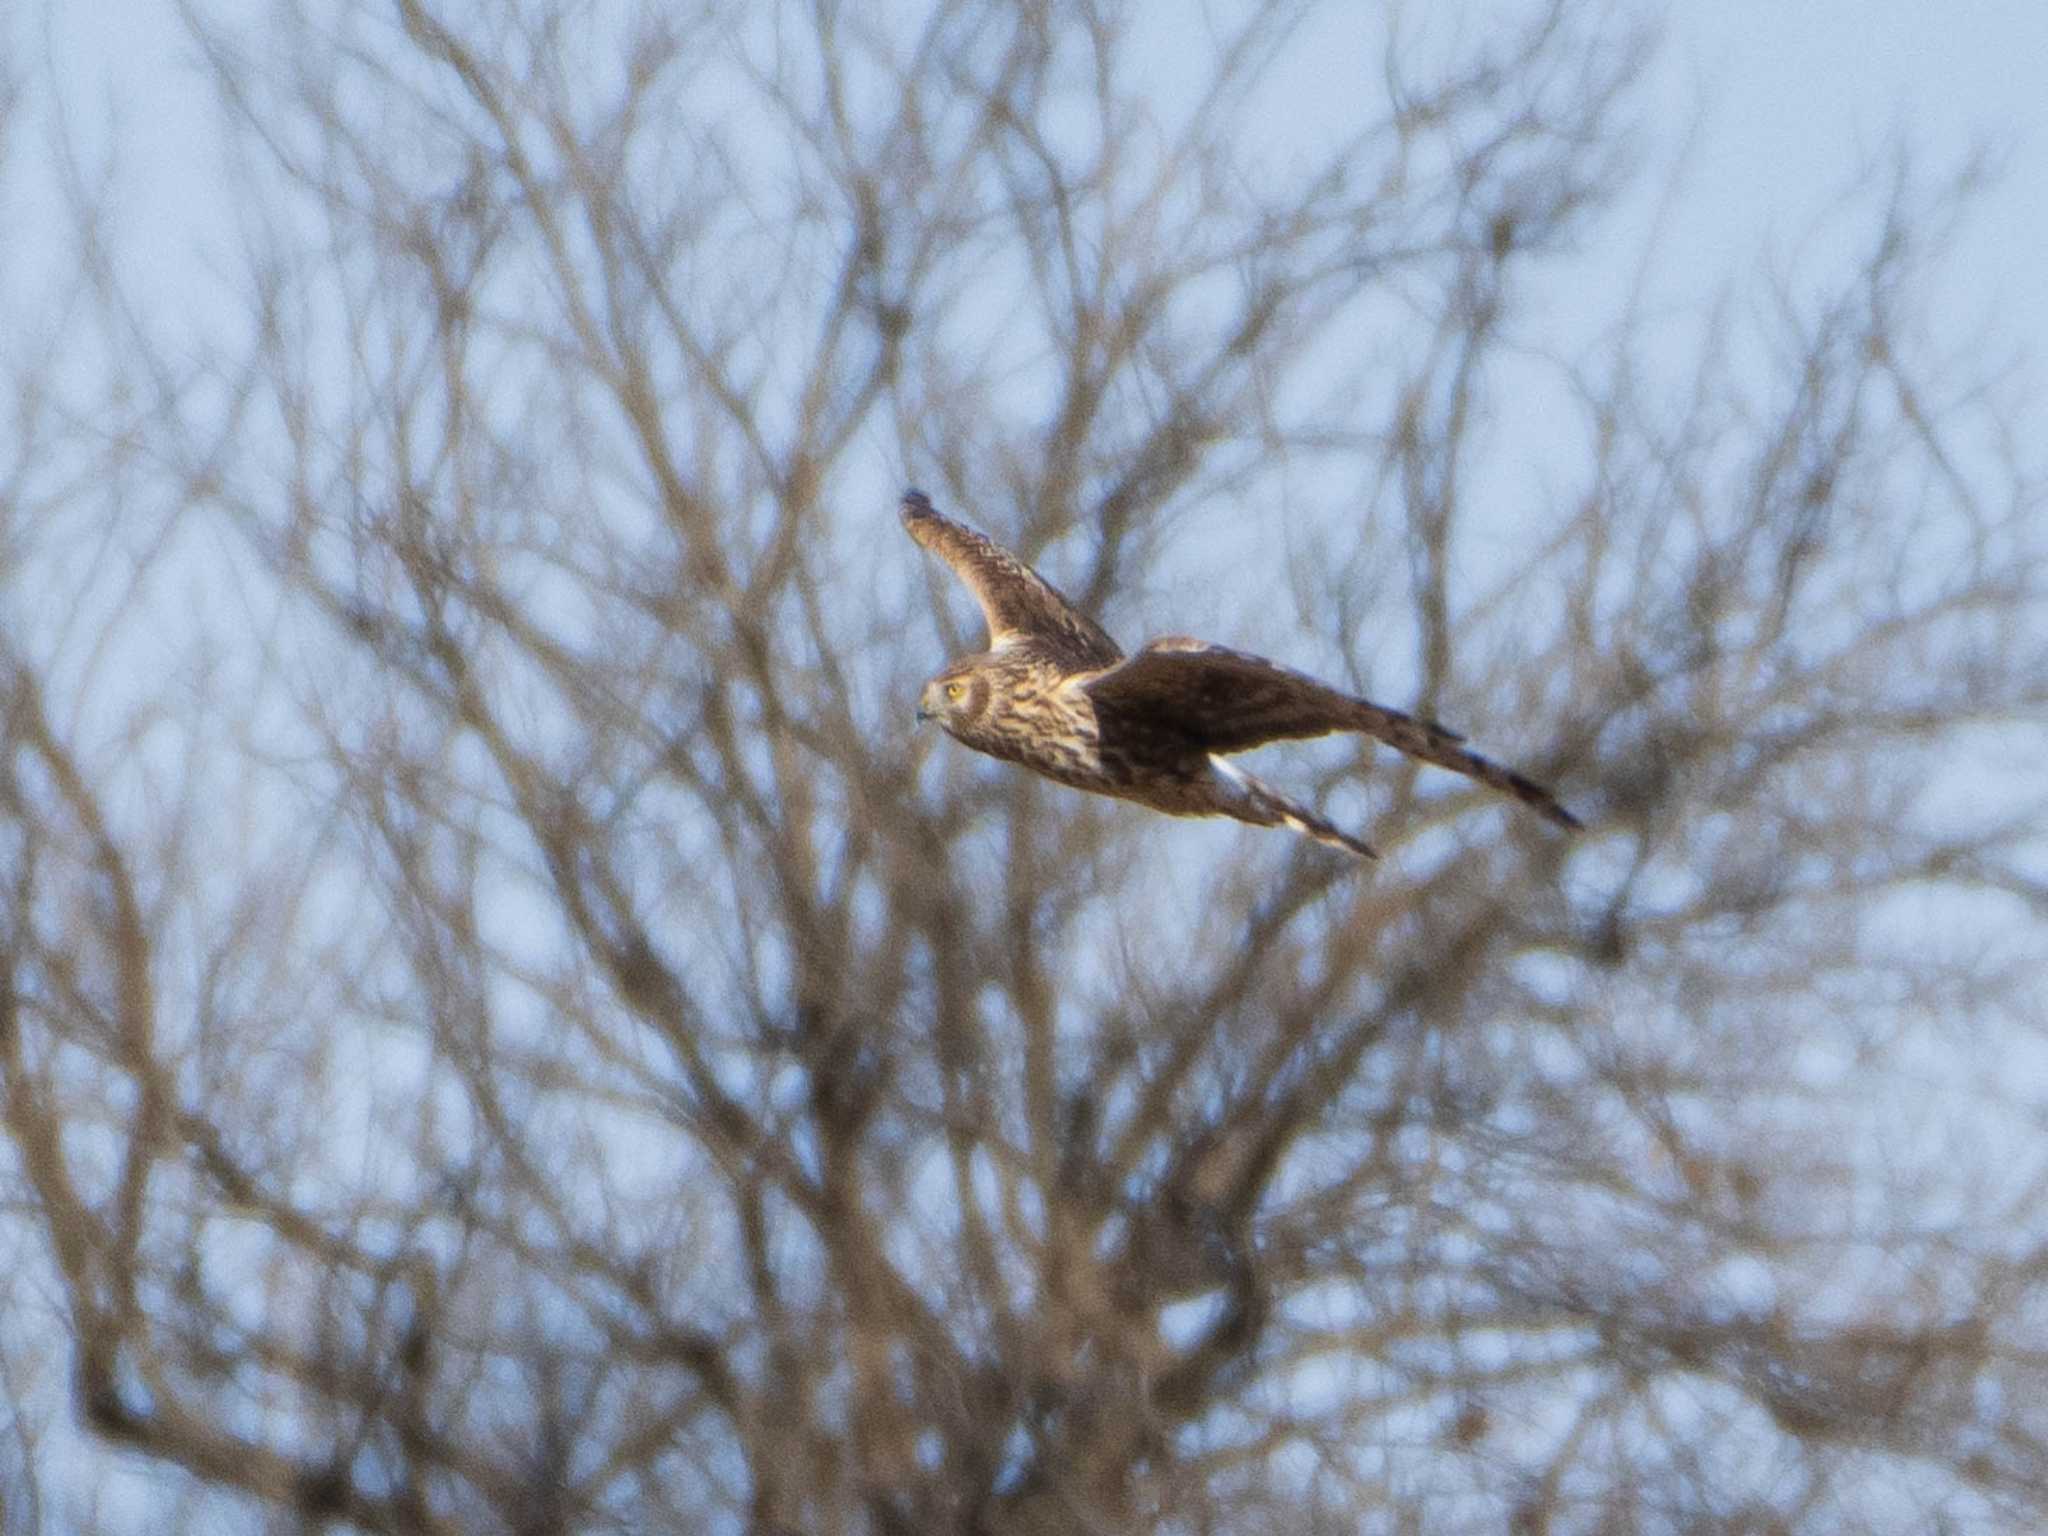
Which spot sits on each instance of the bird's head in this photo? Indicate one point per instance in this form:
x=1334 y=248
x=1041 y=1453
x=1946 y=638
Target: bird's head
x=955 y=698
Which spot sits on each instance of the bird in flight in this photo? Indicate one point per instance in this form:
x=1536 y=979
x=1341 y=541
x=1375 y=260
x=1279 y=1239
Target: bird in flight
x=1054 y=693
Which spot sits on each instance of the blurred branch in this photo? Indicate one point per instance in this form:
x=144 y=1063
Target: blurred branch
x=502 y=1027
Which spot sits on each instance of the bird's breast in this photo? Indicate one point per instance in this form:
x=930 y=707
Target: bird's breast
x=1033 y=719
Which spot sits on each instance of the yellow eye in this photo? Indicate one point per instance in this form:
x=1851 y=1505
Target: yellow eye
x=955 y=690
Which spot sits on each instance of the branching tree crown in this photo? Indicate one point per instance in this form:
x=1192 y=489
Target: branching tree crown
x=504 y=1026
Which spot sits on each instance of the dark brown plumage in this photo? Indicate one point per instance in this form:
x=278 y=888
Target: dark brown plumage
x=1054 y=693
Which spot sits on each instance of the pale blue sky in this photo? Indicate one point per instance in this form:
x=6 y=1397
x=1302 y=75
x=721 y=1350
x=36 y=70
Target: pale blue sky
x=1765 y=111
x=1796 y=95
x=1803 y=92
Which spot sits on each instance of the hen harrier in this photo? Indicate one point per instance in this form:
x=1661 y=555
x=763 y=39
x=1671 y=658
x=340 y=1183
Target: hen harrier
x=1054 y=693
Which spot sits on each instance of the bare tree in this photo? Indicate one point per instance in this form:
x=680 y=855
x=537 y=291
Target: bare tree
x=504 y=1026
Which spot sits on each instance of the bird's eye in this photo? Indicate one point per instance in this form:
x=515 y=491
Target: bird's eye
x=954 y=690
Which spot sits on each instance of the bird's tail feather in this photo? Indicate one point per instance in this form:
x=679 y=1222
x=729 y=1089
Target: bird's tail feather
x=1262 y=805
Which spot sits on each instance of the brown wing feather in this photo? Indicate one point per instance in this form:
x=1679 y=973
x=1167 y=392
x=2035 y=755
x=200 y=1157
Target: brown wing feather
x=1211 y=699
x=1018 y=603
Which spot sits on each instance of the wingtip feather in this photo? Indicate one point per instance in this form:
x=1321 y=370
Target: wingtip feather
x=1541 y=800
x=918 y=514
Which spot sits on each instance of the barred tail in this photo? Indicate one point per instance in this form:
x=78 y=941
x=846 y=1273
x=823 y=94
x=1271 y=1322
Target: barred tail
x=1254 y=800
x=1432 y=743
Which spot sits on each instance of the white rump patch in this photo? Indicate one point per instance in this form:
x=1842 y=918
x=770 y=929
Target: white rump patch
x=1240 y=781
x=1258 y=797
x=1231 y=771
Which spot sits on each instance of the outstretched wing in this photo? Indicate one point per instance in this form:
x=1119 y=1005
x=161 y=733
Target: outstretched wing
x=1205 y=698
x=1019 y=604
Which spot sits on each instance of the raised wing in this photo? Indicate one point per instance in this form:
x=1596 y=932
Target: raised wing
x=1019 y=604
x=1206 y=698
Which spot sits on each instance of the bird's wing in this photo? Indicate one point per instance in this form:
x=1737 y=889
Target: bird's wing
x=1218 y=700
x=1018 y=603
x=1207 y=698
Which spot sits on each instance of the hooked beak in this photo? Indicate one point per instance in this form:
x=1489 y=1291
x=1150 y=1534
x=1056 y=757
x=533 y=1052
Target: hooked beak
x=923 y=714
